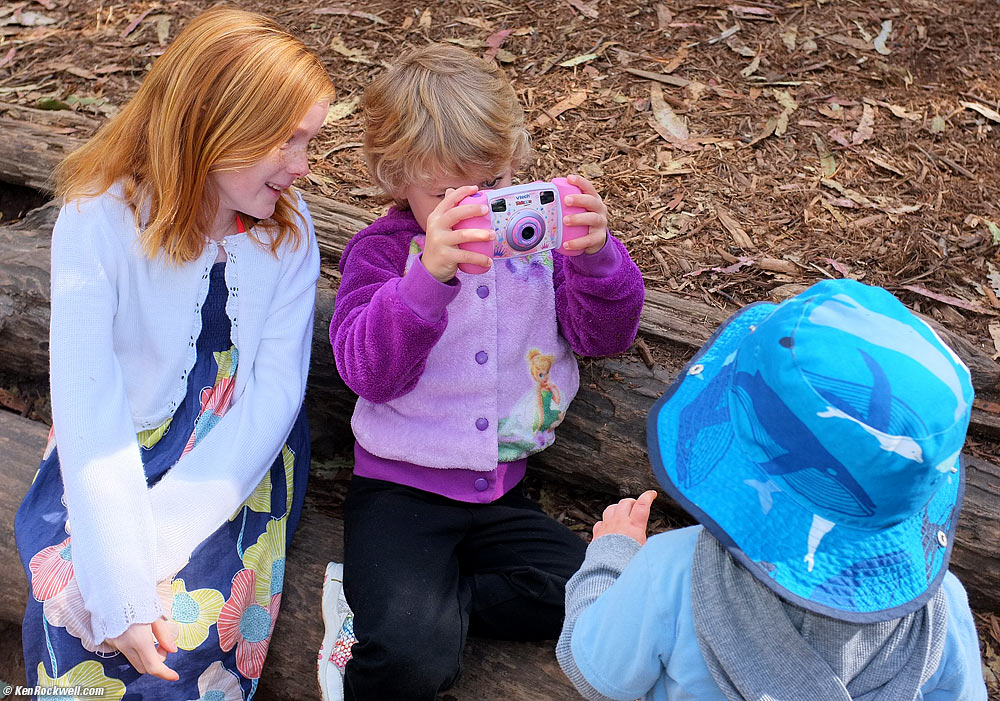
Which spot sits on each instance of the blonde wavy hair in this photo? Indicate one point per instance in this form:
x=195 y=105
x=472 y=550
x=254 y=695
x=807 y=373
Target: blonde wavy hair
x=440 y=111
x=230 y=88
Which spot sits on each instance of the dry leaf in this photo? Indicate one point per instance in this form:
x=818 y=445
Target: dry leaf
x=370 y=191
x=777 y=265
x=587 y=9
x=349 y=13
x=725 y=35
x=886 y=165
x=74 y=70
x=879 y=41
x=665 y=116
x=494 y=41
x=837 y=265
x=790 y=105
x=467 y=43
x=741 y=262
x=577 y=60
x=476 y=22
x=355 y=55
x=425 y=19
x=896 y=110
x=993 y=277
x=666 y=164
x=567 y=103
x=769 y=127
x=826 y=158
x=28 y=18
x=866 y=127
x=663 y=16
x=938 y=125
x=135 y=23
x=163 y=29
x=748 y=12
x=994 y=329
x=752 y=67
x=994 y=230
x=660 y=77
x=788 y=38
x=342 y=109
x=859 y=44
x=673 y=63
x=740 y=236
x=991 y=115
x=8 y=57
x=952 y=301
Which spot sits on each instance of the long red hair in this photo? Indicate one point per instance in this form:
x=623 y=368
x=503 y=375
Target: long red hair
x=230 y=88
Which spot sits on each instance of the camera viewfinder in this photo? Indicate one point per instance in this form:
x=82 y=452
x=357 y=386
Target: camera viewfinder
x=499 y=205
x=546 y=196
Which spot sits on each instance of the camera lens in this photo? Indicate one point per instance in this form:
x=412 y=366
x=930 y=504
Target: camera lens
x=525 y=231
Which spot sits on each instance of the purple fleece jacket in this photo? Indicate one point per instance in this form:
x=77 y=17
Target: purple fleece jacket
x=391 y=313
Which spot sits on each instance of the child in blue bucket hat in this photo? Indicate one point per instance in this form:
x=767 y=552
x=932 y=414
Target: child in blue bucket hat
x=818 y=444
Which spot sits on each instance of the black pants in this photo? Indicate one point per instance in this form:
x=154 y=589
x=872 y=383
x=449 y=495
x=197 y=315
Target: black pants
x=421 y=571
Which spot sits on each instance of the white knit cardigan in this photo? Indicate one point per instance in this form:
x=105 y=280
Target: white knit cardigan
x=123 y=333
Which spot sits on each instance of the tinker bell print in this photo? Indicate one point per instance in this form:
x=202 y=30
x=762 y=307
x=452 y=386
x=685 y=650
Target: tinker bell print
x=535 y=415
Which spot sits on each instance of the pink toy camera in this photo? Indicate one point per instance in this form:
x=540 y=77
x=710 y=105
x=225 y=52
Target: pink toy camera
x=525 y=218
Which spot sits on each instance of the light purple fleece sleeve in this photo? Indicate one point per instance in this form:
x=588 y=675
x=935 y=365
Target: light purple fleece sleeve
x=598 y=299
x=385 y=324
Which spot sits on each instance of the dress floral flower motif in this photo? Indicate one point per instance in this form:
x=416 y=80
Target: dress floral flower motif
x=217 y=683
x=195 y=612
x=88 y=675
x=215 y=400
x=260 y=499
x=266 y=558
x=247 y=624
x=51 y=570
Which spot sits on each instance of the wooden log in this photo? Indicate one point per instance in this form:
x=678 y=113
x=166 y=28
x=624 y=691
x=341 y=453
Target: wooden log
x=491 y=670
x=30 y=151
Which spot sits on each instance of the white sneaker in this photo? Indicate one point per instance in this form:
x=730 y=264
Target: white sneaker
x=338 y=635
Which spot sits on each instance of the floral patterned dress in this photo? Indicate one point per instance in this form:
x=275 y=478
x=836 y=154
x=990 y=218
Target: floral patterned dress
x=225 y=600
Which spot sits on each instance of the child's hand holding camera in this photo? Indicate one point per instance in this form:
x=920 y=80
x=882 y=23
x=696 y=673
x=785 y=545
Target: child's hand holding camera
x=441 y=254
x=627 y=517
x=595 y=218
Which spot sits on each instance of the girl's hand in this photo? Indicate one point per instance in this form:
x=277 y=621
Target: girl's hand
x=595 y=218
x=136 y=644
x=627 y=517
x=441 y=254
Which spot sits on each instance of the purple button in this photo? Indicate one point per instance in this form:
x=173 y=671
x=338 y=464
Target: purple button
x=483 y=291
x=481 y=357
x=481 y=484
x=482 y=424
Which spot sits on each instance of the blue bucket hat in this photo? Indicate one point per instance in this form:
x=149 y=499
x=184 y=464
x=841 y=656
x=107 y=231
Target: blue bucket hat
x=819 y=440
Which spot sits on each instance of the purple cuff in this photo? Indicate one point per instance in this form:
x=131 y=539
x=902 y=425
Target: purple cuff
x=472 y=486
x=605 y=262
x=425 y=294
